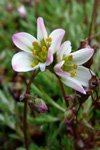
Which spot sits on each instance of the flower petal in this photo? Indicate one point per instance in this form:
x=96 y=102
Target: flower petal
x=23 y=41
x=73 y=83
x=50 y=58
x=47 y=63
x=22 y=61
x=42 y=67
x=82 y=56
x=41 y=30
x=83 y=75
x=59 y=71
x=57 y=41
x=56 y=33
x=64 y=50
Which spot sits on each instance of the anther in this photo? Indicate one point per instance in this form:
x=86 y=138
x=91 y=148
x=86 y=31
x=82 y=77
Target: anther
x=49 y=39
x=75 y=66
x=33 y=65
x=34 y=52
x=70 y=57
x=37 y=57
x=73 y=73
x=43 y=49
x=35 y=43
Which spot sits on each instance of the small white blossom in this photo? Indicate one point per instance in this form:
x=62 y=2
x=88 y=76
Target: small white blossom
x=69 y=66
x=37 y=53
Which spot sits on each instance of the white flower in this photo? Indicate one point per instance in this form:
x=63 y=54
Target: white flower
x=37 y=53
x=70 y=68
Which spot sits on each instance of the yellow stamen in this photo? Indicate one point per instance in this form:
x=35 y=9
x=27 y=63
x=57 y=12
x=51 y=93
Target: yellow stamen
x=49 y=39
x=75 y=66
x=33 y=65
x=34 y=52
x=37 y=57
x=73 y=73
x=62 y=58
x=70 y=57
x=43 y=49
x=35 y=43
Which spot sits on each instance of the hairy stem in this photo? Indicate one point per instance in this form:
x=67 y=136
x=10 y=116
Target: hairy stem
x=25 y=110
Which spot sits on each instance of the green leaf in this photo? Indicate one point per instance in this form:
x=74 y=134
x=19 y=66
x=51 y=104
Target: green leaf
x=66 y=142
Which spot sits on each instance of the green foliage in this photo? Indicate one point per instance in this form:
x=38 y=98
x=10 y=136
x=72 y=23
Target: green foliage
x=45 y=131
x=66 y=142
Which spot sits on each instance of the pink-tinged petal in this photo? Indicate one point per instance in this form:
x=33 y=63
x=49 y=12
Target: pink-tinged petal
x=59 y=71
x=83 y=75
x=82 y=56
x=22 y=62
x=24 y=41
x=50 y=58
x=41 y=30
x=55 y=44
x=64 y=50
x=42 y=67
x=48 y=62
x=56 y=33
x=73 y=83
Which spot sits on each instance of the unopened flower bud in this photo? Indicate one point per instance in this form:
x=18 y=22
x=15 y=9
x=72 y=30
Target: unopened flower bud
x=69 y=115
x=39 y=105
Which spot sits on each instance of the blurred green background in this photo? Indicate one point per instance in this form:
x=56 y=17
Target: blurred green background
x=46 y=131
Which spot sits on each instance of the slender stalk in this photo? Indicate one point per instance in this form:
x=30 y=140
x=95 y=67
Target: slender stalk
x=64 y=94
x=92 y=18
x=25 y=111
x=25 y=124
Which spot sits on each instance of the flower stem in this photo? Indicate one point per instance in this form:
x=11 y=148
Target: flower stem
x=64 y=94
x=25 y=110
x=92 y=18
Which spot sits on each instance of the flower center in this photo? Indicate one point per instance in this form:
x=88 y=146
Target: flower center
x=69 y=68
x=40 y=51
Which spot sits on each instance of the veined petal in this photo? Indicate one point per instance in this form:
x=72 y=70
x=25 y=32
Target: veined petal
x=64 y=50
x=82 y=56
x=59 y=71
x=50 y=58
x=56 y=33
x=22 y=62
x=55 y=44
x=83 y=75
x=41 y=30
x=24 y=41
x=73 y=83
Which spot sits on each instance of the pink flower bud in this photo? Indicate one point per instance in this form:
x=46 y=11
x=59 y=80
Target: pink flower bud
x=9 y=7
x=39 y=105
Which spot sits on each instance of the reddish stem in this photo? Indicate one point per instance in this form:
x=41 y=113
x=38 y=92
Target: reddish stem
x=92 y=18
x=64 y=94
x=25 y=110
